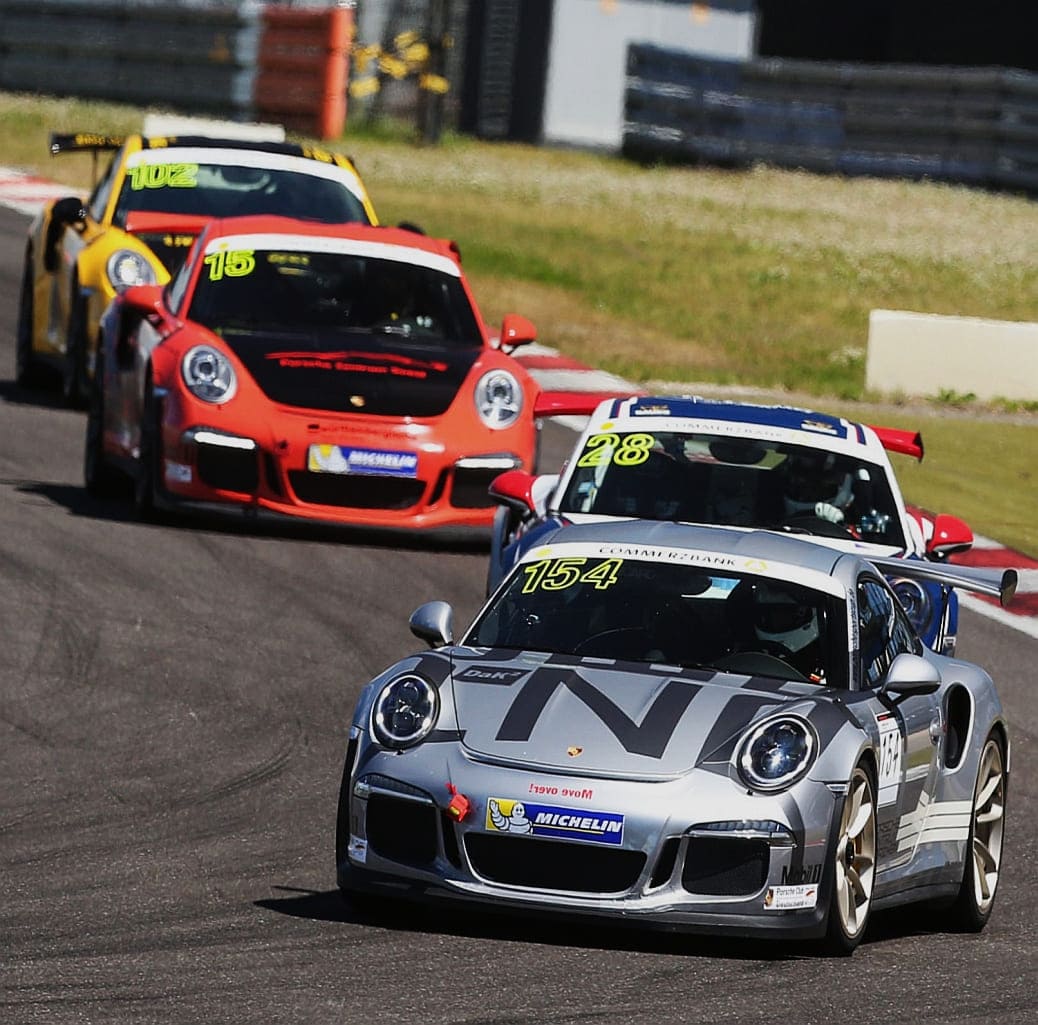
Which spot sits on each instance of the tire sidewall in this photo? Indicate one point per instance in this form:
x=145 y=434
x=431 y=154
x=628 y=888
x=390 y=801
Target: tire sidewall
x=837 y=941
x=24 y=362
x=967 y=914
x=145 y=484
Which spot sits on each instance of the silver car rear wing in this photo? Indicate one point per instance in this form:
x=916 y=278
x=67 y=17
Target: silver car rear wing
x=1000 y=584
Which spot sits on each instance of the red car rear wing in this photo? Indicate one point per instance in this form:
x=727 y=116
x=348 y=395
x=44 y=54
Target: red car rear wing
x=908 y=443
x=569 y=403
x=151 y=221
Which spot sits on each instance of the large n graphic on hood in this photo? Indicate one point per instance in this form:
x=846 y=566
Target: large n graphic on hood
x=650 y=737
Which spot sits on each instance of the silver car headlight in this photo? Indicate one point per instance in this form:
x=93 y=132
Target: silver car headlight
x=405 y=711
x=126 y=268
x=915 y=600
x=499 y=399
x=208 y=374
x=776 y=753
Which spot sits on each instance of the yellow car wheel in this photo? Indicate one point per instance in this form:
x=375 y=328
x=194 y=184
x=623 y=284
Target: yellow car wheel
x=28 y=373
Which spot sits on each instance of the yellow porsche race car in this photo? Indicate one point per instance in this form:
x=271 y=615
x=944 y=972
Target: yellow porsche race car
x=139 y=221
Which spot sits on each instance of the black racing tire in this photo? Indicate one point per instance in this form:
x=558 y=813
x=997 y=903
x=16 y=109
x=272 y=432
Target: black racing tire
x=852 y=865
x=101 y=479
x=983 y=862
x=74 y=380
x=146 y=482
x=27 y=371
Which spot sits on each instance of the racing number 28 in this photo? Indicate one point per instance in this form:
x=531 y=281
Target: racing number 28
x=630 y=450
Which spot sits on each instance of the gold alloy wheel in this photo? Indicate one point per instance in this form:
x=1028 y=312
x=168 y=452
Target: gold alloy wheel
x=856 y=856
x=989 y=802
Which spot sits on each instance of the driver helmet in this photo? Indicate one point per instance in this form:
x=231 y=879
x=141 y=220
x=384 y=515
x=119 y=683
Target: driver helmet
x=779 y=617
x=815 y=476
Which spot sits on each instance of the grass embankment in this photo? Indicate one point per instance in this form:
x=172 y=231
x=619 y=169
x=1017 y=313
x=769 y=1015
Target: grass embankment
x=761 y=278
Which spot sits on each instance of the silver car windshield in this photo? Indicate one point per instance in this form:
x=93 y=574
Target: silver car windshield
x=730 y=481
x=638 y=611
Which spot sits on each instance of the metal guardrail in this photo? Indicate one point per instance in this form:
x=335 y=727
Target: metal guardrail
x=201 y=59
x=237 y=59
x=977 y=126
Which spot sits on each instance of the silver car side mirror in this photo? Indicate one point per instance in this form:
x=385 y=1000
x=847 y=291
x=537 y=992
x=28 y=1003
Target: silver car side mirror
x=911 y=674
x=433 y=623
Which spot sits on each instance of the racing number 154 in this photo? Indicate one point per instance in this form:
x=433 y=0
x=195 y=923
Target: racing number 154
x=890 y=757
x=558 y=574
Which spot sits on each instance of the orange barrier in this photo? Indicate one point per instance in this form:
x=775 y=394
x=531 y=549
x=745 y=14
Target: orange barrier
x=303 y=68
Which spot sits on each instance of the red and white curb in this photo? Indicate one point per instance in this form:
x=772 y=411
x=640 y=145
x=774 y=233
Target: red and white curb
x=555 y=372
x=26 y=193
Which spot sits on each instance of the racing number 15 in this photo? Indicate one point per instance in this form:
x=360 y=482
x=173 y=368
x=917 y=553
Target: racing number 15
x=238 y=263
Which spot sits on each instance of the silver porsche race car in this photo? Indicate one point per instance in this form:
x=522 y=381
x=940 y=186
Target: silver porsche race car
x=689 y=727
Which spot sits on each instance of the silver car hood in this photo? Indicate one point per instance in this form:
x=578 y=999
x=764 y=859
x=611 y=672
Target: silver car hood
x=598 y=717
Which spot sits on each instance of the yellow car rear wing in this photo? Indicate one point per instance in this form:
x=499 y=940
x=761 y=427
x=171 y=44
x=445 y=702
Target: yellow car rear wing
x=79 y=142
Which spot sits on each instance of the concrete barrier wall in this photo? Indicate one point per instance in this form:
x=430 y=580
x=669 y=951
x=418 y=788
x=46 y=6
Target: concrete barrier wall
x=925 y=354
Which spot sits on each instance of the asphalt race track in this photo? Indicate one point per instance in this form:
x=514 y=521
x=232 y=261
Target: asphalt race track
x=173 y=706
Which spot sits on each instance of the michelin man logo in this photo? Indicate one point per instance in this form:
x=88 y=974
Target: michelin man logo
x=507 y=816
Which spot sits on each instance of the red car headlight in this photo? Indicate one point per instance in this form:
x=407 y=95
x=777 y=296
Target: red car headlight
x=208 y=374
x=499 y=399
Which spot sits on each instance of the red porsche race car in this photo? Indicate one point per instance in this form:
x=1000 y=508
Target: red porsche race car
x=341 y=373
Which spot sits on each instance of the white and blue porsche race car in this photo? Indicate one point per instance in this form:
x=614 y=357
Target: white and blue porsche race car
x=740 y=465
x=689 y=727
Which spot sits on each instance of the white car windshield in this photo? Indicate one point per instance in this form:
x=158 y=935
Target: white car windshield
x=732 y=481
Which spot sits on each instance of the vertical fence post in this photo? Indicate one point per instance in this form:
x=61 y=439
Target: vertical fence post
x=437 y=34
x=332 y=121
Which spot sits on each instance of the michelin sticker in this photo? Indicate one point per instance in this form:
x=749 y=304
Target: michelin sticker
x=526 y=818
x=372 y=462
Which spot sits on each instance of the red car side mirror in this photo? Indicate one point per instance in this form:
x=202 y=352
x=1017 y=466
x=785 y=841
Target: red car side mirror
x=950 y=535
x=146 y=298
x=516 y=331
x=514 y=488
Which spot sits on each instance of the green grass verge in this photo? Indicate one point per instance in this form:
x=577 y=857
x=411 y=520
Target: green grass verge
x=758 y=278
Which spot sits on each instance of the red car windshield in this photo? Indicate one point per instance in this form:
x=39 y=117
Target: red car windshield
x=305 y=292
